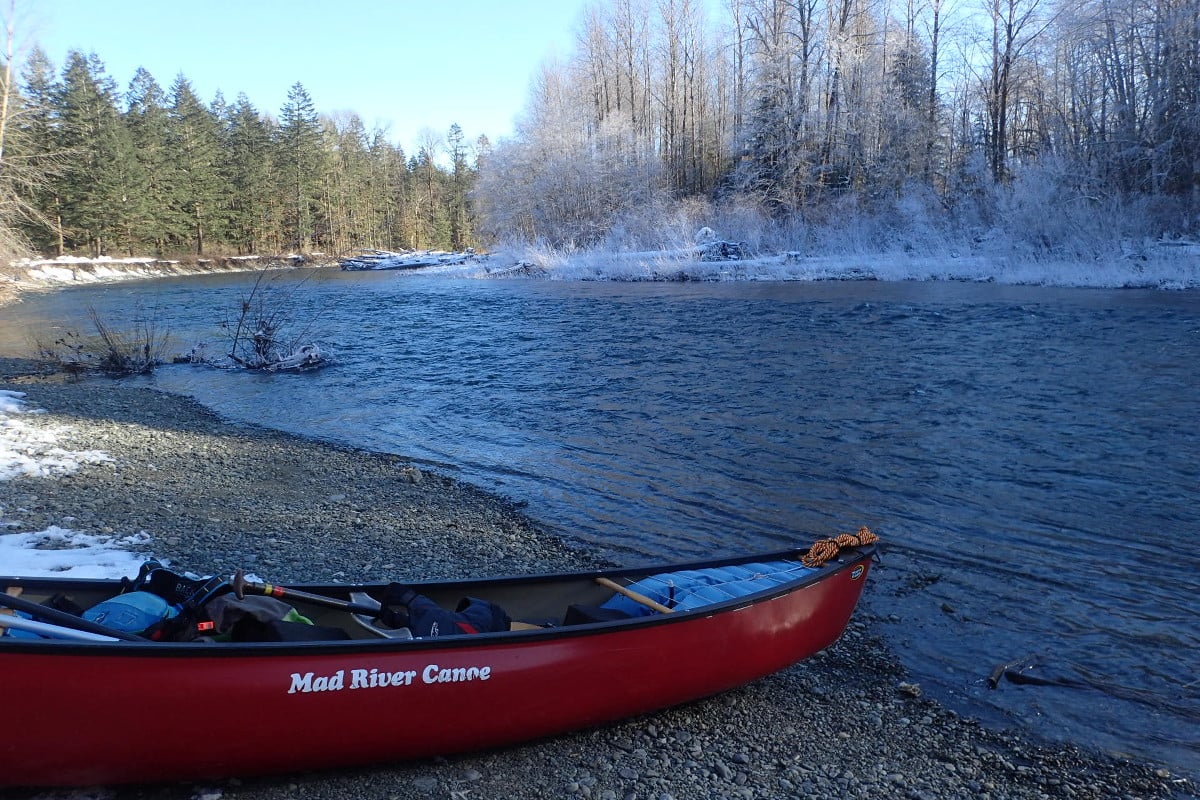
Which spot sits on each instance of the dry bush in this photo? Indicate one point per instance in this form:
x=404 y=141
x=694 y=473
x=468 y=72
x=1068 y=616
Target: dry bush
x=135 y=350
x=261 y=337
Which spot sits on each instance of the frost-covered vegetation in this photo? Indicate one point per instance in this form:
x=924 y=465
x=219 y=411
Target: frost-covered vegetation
x=263 y=332
x=1017 y=134
x=1030 y=235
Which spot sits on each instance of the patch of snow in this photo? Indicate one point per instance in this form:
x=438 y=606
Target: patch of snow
x=64 y=553
x=106 y=269
x=53 y=274
x=32 y=449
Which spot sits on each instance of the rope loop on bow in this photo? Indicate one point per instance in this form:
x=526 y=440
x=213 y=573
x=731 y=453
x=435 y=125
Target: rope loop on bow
x=824 y=549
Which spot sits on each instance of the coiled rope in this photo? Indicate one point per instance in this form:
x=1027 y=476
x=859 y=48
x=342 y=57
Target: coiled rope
x=824 y=549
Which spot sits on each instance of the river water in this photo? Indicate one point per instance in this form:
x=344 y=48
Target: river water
x=1030 y=456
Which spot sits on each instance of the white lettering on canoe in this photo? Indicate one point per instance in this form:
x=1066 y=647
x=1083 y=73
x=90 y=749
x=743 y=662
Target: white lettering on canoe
x=435 y=674
x=370 y=679
x=321 y=683
x=375 y=678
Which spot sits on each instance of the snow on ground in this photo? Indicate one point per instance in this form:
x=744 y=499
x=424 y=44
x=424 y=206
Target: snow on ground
x=78 y=269
x=63 y=553
x=30 y=448
x=49 y=273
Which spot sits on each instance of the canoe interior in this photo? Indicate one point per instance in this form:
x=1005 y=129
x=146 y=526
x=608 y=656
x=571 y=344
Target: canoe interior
x=537 y=604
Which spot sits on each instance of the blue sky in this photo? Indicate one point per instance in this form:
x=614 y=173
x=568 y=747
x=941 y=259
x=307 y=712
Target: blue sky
x=401 y=64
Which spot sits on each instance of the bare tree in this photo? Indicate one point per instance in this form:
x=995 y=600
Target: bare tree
x=1015 y=26
x=27 y=157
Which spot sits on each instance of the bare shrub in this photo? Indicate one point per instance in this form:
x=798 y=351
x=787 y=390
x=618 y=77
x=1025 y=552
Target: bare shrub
x=262 y=337
x=135 y=350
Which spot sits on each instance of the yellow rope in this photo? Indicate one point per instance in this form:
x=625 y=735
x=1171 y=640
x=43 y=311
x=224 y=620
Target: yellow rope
x=825 y=549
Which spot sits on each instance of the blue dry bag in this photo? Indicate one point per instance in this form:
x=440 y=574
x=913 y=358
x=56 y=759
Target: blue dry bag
x=132 y=612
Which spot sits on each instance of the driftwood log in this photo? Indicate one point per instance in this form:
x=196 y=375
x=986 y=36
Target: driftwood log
x=406 y=259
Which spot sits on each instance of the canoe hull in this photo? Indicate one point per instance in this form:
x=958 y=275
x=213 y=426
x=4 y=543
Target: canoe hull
x=106 y=714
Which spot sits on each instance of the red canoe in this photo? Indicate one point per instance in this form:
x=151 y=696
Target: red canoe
x=106 y=710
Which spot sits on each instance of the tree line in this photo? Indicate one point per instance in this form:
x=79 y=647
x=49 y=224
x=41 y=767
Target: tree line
x=88 y=169
x=887 y=123
x=981 y=113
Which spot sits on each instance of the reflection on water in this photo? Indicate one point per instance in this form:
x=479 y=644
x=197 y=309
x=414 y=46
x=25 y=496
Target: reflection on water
x=1028 y=455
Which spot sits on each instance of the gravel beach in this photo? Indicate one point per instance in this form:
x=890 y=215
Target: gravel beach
x=214 y=496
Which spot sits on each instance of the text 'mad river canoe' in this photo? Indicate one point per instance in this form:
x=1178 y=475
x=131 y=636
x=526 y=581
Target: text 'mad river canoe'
x=207 y=681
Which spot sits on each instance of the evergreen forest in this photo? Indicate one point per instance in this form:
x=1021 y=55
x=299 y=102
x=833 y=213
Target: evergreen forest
x=93 y=170
x=1059 y=129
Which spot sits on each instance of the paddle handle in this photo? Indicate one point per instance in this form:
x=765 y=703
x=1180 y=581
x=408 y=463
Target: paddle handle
x=241 y=586
x=636 y=597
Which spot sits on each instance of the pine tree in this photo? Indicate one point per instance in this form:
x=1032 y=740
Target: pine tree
x=249 y=169
x=99 y=175
x=195 y=189
x=32 y=157
x=904 y=122
x=147 y=120
x=300 y=146
x=460 y=179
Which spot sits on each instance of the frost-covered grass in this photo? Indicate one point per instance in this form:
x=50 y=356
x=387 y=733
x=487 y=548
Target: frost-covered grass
x=1027 y=233
x=1161 y=265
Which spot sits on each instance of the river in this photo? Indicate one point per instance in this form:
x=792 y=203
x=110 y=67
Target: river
x=1029 y=455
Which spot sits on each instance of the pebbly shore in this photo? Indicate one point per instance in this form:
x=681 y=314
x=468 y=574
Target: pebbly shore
x=214 y=496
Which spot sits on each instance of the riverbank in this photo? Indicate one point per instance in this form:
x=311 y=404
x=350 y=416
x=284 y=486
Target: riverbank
x=213 y=497
x=1162 y=265
x=33 y=275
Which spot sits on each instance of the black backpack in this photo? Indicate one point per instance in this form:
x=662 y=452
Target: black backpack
x=186 y=595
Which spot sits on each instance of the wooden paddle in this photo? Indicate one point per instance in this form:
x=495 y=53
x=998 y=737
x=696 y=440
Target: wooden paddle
x=635 y=596
x=11 y=591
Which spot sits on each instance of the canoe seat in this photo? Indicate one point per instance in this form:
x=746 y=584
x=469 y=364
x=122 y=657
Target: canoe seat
x=522 y=626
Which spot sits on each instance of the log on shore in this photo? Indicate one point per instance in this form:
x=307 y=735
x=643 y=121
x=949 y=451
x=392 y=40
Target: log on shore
x=408 y=259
